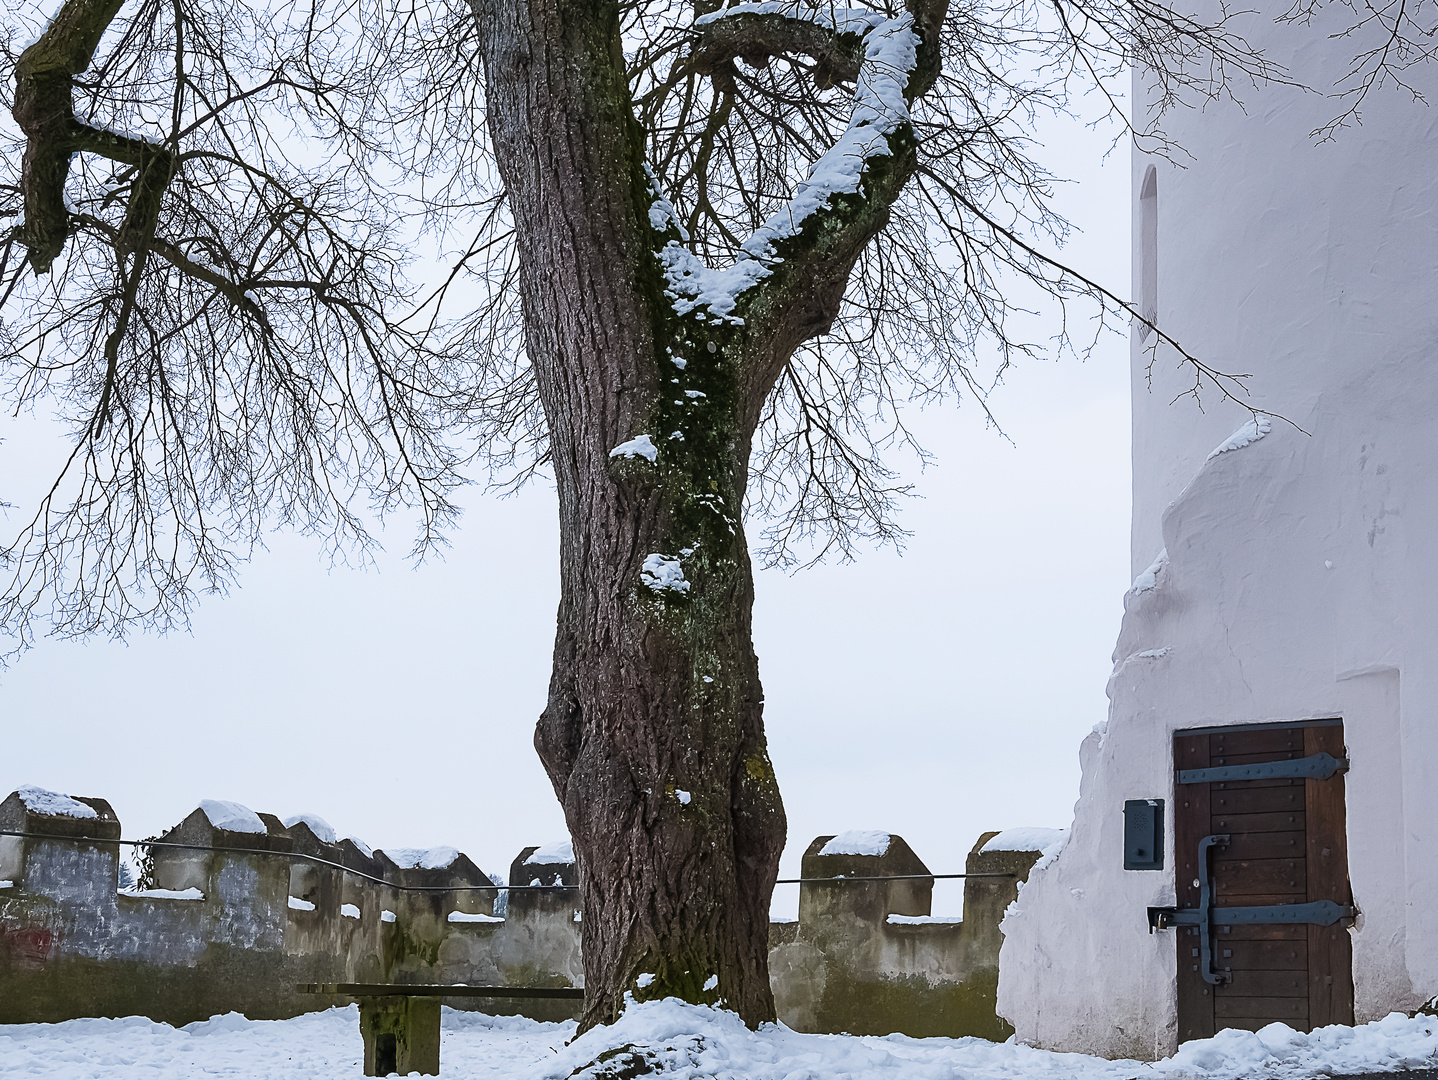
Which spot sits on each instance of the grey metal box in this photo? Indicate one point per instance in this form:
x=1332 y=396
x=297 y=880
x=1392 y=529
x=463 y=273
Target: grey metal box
x=1143 y=834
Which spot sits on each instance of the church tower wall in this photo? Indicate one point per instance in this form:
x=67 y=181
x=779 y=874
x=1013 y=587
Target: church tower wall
x=1292 y=576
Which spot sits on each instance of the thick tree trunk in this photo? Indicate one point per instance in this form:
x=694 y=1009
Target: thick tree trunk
x=653 y=735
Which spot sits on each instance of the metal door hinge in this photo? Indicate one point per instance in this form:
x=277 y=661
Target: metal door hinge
x=1319 y=912
x=1318 y=766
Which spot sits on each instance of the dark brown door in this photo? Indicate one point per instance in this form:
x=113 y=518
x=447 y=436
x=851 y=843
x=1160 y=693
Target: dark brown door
x=1286 y=845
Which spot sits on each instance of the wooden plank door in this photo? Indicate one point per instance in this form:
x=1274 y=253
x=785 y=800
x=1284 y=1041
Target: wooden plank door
x=1287 y=845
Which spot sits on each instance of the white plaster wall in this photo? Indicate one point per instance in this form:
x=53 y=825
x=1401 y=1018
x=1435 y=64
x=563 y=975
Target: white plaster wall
x=1302 y=579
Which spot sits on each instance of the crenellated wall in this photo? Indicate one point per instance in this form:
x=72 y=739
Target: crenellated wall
x=869 y=958
x=240 y=915
x=238 y=919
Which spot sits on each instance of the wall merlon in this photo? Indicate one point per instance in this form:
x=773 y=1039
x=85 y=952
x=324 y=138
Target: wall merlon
x=74 y=866
x=867 y=901
x=540 y=945
x=868 y=957
x=19 y=816
x=312 y=881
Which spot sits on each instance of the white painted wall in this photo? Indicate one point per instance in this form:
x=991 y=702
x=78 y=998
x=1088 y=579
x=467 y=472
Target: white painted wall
x=1302 y=579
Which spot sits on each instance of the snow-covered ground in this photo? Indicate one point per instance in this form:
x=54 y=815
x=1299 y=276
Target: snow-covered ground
x=683 y=1042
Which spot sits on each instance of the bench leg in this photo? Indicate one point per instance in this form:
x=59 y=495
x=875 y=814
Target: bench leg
x=401 y=1035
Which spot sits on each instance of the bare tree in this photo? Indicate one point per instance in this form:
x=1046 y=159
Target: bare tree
x=707 y=255
x=214 y=321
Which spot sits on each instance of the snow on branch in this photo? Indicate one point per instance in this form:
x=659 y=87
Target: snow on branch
x=890 y=53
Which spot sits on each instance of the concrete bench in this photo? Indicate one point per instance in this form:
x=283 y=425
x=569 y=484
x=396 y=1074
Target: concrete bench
x=400 y=1023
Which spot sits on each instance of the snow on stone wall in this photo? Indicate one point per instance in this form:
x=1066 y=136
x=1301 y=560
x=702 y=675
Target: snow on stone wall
x=237 y=912
x=231 y=918
x=869 y=957
x=1300 y=579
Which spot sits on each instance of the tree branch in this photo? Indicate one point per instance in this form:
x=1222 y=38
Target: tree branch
x=799 y=262
x=44 y=108
x=756 y=37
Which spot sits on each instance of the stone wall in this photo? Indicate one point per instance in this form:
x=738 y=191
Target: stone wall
x=236 y=921
x=867 y=957
x=239 y=916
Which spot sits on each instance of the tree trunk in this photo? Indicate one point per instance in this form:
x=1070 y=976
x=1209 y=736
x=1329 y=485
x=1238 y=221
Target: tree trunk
x=653 y=735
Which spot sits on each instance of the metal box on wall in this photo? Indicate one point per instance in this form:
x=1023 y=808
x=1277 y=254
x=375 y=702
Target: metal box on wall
x=1143 y=834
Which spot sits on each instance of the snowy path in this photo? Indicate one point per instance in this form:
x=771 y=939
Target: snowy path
x=689 y=1042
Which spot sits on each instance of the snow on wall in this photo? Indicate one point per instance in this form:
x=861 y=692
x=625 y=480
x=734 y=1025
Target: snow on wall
x=559 y=851
x=232 y=816
x=857 y=842
x=237 y=927
x=1026 y=839
x=436 y=858
x=1298 y=580
x=323 y=830
x=40 y=801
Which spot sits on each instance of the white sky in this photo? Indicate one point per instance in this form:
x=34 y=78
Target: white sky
x=936 y=694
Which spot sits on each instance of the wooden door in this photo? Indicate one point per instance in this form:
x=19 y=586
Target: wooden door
x=1287 y=844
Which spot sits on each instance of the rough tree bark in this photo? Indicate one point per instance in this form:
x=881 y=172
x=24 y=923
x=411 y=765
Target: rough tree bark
x=653 y=735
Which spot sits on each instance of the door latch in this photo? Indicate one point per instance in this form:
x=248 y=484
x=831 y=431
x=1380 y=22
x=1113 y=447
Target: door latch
x=1206 y=916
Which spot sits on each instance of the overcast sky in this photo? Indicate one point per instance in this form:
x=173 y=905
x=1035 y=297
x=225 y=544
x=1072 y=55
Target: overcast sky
x=936 y=693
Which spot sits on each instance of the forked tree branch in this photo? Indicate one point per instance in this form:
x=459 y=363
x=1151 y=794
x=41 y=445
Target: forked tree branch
x=45 y=110
x=813 y=249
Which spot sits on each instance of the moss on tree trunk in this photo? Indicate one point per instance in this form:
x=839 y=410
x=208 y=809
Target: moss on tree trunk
x=653 y=735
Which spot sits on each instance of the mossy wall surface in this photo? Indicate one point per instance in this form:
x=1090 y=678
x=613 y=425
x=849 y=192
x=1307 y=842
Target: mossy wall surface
x=844 y=966
x=261 y=920
x=72 y=945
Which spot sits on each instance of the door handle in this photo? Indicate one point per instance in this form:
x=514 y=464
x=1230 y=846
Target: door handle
x=1201 y=916
x=1205 y=909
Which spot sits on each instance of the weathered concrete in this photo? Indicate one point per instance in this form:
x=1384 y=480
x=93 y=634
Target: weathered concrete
x=540 y=945
x=236 y=920
x=868 y=958
x=401 y=1035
